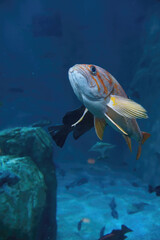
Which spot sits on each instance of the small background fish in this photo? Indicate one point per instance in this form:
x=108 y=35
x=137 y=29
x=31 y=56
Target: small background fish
x=103 y=148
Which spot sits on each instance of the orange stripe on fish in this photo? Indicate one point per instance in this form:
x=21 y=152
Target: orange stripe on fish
x=116 y=86
x=109 y=79
x=96 y=82
x=101 y=81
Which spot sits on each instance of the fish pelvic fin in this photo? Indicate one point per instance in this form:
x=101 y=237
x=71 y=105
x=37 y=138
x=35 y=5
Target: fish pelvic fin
x=115 y=124
x=145 y=136
x=81 y=118
x=128 y=141
x=99 y=124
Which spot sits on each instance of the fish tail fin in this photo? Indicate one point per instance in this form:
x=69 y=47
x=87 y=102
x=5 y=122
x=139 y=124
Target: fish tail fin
x=145 y=136
x=150 y=189
x=126 y=229
x=59 y=134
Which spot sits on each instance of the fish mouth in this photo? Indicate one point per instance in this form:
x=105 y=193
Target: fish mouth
x=76 y=77
x=80 y=84
x=74 y=82
x=71 y=70
x=72 y=78
x=77 y=69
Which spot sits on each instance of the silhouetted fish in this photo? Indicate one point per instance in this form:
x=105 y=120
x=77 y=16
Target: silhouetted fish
x=42 y=123
x=117 y=234
x=102 y=147
x=154 y=189
x=137 y=207
x=114 y=214
x=76 y=183
x=59 y=133
x=113 y=206
x=83 y=220
x=79 y=225
x=47 y=26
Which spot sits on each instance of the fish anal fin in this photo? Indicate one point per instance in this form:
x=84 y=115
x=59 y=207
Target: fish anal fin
x=128 y=141
x=145 y=136
x=139 y=152
x=115 y=124
x=99 y=125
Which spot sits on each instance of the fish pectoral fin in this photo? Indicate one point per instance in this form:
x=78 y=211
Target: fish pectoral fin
x=85 y=111
x=99 y=124
x=115 y=124
x=126 y=107
x=128 y=141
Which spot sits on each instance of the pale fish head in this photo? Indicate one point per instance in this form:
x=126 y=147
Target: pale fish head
x=90 y=81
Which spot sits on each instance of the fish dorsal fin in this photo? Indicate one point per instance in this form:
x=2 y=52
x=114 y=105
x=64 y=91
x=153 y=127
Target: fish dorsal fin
x=99 y=124
x=126 y=107
x=128 y=141
x=81 y=118
x=115 y=124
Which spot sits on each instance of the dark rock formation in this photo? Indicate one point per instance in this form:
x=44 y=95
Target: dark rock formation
x=23 y=203
x=36 y=144
x=147 y=83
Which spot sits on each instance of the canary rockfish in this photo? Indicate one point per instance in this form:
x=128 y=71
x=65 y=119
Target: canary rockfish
x=104 y=97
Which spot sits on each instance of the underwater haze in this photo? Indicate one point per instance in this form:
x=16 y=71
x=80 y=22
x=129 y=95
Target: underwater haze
x=70 y=133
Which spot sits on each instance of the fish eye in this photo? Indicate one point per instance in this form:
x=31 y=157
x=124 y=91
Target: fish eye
x=93 y=69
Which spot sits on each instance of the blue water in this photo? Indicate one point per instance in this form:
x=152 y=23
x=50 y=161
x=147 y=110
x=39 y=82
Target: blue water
x=39 y=42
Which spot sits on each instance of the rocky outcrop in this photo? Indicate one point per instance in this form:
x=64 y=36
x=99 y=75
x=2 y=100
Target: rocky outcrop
x=23 y=203
x=146 y=83
x=35 y=146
